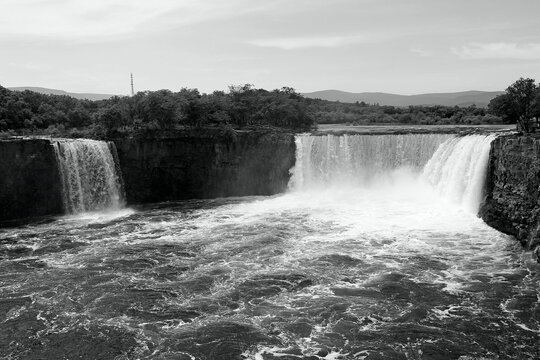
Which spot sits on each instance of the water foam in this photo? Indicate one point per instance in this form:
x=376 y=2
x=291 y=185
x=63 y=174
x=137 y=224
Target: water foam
x=453 y=167
x=458 y=168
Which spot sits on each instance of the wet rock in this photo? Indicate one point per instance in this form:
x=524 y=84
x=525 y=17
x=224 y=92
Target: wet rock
x=205 y=164
x=29 y=179
x=323 y=352
x=512 y=204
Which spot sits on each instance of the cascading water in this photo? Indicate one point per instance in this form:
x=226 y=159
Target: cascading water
x=90 y=179
x=458 y=168
x=454 y=166
x=358 y=160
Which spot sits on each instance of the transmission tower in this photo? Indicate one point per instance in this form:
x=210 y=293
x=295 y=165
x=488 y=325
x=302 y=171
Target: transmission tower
x=132 y=91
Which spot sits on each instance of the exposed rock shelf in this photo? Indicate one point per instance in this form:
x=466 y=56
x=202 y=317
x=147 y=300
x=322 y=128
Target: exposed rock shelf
x=29 y=179
x=205 y=164
x=513 y=189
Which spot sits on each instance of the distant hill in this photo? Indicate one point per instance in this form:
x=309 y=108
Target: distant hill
x=42 y=90
x=464 y=98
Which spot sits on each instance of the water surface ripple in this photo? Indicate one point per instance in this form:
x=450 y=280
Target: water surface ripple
x=381 y=272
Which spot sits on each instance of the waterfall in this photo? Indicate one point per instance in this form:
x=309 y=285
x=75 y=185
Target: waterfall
x=458 y=168
x=328 y=160
x=89 y=175
x=452 y=166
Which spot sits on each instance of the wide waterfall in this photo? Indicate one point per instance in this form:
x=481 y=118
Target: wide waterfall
x=90 y=178
x=453 y=166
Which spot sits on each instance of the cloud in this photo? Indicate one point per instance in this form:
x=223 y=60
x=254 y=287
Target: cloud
x=530 y=51
x=103 y=18
x=422 y=52
x=293 y=43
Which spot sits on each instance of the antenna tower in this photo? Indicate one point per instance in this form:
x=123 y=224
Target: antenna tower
x=132 y=92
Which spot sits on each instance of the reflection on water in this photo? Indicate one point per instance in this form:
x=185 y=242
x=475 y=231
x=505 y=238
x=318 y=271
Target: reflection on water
x=386 y=272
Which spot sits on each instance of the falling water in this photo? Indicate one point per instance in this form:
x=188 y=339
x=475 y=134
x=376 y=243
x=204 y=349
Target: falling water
x=90 y=180
x=358 y=160
x=458 y=169
x=454 y=166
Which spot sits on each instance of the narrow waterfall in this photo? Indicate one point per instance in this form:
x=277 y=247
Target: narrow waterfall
x=89 y=174
x=452 y=166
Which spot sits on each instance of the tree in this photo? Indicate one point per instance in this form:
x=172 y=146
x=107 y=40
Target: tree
x=517 y=104
x=501 y=106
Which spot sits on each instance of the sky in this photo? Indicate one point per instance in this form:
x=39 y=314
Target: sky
x=396 y=46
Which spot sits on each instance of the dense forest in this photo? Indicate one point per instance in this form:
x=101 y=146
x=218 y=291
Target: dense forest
x=29 y=112
x=360 y=113
x=241 y=107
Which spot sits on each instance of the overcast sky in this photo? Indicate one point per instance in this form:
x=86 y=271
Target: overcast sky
x=398 y=46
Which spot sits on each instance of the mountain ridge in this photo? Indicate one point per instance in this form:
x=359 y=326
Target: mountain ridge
x=461 y=98
x=82 y=96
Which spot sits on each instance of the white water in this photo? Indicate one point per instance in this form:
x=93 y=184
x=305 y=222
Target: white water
x=444 y=166
x=458 y=169
x=90 y=181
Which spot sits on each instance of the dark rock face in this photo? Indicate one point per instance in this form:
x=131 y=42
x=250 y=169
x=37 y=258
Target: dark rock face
x=205 y=164
x=178 y=165
x=29 y=179
x=513 y=188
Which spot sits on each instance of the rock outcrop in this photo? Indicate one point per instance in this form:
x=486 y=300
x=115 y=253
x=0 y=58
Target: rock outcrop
x=206 y=163
x=167 y=166
x=29 y=180
x=513 y=189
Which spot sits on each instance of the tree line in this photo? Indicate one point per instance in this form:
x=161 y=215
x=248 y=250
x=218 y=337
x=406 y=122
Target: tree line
x=360 y=113
x=240 y=107
x=28 y=112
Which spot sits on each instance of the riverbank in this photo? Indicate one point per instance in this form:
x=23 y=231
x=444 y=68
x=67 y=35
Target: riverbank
x=386 y=129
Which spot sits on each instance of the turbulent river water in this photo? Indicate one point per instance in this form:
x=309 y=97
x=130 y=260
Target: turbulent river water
x=375 y=253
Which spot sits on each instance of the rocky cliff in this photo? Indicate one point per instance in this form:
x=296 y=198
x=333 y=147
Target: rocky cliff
x=205 y=164
x=29 y=179
x=513 y=189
